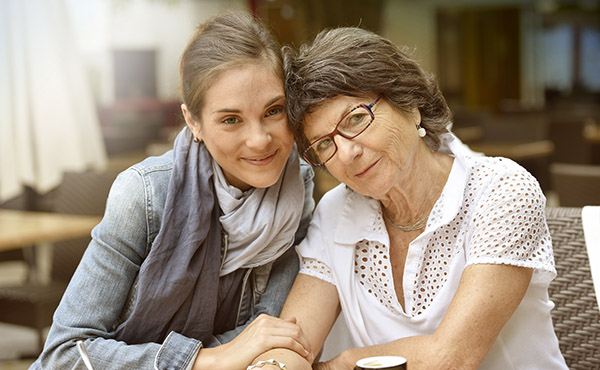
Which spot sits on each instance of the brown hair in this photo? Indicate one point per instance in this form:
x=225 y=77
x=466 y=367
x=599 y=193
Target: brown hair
x=355 y=62
x=228 y=40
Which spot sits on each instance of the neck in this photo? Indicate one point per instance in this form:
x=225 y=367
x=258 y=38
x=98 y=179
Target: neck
x=412 y=199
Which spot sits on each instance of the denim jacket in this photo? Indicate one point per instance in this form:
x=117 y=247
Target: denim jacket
x=101 y=292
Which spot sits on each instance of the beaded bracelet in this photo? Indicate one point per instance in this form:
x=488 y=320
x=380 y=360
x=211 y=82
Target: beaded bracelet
x=270 y=361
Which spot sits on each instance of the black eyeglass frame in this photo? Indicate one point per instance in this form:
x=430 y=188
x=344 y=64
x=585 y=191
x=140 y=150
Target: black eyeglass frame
x=337 y=132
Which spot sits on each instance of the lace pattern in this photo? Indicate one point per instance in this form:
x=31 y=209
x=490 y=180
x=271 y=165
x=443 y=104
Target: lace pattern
x=316 y=268
x=501 y=215
x=372 y=265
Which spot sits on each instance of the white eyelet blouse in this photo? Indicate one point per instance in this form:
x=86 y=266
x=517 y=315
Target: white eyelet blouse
x=491 y=211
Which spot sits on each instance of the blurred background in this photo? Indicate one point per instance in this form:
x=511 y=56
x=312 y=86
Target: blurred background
x=89 y=87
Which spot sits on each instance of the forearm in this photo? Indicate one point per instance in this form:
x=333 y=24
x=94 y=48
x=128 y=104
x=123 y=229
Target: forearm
x=315 y=320
x=421 y=352
x=487 y=297
x=107 y=353
x=89 y=310
x=291 y=359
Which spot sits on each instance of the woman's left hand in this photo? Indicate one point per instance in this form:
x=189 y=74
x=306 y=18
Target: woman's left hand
x=323 y=366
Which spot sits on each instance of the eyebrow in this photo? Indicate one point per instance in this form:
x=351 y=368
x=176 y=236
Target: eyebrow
x=233 y=110
x=345 y=111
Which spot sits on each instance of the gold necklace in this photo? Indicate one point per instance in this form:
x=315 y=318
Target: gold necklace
x=416 y=226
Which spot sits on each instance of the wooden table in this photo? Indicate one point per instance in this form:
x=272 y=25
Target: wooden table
x=21 y=229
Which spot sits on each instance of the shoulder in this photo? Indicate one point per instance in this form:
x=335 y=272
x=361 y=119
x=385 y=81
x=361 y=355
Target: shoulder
x=499 y=172
x=153 y=173
x=323 y=226
x=334 y=199
x=330 y=208
x=142 y=188
x=501 y=185
x=154 y=166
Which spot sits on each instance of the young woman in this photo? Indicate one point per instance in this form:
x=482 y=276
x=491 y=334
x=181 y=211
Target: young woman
x=193 y=259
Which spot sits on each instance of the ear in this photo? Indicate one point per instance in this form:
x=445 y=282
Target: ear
x=191 y=123
x=417 y=115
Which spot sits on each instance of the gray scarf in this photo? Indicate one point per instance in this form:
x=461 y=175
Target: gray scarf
x=276 y=212
x=181 y=285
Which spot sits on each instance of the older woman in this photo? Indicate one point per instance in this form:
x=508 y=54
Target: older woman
x=431 y=252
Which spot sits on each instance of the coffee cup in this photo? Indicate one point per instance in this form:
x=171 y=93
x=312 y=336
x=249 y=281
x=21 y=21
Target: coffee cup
x=381 y=363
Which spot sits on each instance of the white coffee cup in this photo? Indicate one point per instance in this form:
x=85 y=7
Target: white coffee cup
x=381 y=362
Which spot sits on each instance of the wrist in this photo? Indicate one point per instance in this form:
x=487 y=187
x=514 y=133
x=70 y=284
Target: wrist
x=348 y=358
x=206 y=360
x=267 y=364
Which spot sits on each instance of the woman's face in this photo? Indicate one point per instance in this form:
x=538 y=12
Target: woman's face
x=379 y=158
x=244 y=125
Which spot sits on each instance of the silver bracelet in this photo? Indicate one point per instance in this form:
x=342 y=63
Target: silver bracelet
x=270 y=361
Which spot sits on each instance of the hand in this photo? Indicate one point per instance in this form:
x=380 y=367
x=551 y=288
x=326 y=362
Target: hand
x=263 y=334
x=341 y=362
x=324 y=366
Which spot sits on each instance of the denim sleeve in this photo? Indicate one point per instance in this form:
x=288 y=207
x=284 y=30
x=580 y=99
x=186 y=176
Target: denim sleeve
x=92 y=304
x=284 y=269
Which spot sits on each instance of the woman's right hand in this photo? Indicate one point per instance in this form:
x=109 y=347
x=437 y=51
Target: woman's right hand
x=263 y=334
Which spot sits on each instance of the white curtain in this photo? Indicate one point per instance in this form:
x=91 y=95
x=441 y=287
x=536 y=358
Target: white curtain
x=48 y=120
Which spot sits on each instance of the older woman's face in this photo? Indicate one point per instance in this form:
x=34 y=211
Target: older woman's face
x=378 y=159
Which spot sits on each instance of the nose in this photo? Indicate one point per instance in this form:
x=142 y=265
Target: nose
x=258 y=136
x=347 y=149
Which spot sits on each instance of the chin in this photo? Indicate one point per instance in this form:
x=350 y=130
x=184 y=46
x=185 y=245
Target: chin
x=262 y=183
x=263 y=177
x=263 y=180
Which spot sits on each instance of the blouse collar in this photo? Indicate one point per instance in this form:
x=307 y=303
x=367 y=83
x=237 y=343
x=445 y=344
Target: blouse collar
x=361 y=215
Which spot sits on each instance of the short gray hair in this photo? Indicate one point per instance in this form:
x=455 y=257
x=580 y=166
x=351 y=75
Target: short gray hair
x=355 y=62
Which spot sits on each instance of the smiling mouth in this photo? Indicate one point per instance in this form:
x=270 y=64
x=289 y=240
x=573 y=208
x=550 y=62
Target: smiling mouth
x=261 y=161
x=363 y=173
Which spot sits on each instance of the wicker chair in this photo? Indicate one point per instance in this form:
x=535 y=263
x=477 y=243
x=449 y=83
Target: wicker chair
x=576 y=315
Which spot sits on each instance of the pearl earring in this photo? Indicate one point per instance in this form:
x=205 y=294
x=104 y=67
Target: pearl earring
x=421 y=131
x=196 y=140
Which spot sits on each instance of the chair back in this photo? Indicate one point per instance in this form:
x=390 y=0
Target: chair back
x=576 y=315
x=81 y=193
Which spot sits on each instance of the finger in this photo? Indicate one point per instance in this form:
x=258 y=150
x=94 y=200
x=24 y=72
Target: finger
x=264 y=319
x=267 y=322
x=291 y=344
x=296 y=334
x=267 y=326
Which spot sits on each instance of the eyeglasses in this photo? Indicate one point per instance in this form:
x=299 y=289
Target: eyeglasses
x=352 y=124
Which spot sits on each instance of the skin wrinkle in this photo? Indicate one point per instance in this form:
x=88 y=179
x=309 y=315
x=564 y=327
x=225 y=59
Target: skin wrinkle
x=403 y=199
